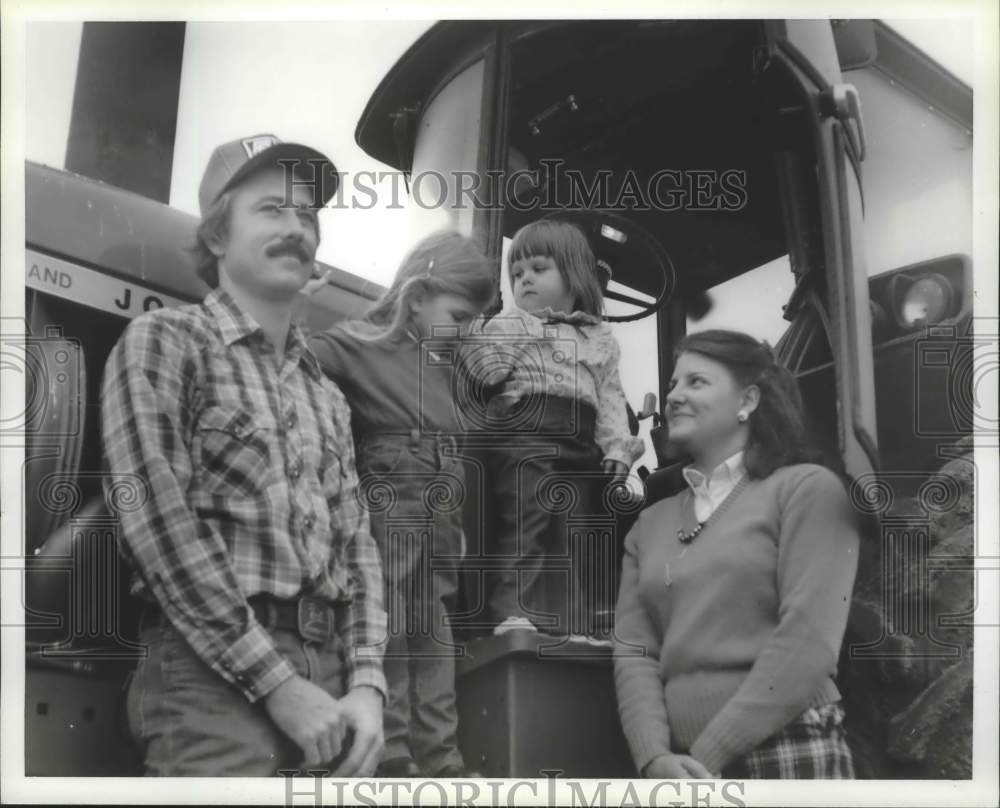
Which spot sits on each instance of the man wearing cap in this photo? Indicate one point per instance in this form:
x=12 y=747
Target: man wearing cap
x=263 y=617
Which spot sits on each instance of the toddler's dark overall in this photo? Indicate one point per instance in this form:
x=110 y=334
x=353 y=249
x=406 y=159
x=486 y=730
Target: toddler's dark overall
x=546 y=516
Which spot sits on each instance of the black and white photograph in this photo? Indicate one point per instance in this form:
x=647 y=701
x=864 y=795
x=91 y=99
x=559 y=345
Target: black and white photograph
x=537 y=405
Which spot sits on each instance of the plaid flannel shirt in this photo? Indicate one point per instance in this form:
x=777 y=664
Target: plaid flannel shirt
x=249 y=464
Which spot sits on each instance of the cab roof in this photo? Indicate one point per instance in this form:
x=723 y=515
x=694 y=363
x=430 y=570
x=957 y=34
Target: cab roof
x=434 y=56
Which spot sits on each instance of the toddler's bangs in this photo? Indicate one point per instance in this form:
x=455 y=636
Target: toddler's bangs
x=531 y=241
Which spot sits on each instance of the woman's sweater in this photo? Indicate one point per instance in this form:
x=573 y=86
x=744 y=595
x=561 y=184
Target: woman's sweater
x=747 y=634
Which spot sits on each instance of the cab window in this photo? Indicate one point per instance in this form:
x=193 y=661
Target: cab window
x=751 y=302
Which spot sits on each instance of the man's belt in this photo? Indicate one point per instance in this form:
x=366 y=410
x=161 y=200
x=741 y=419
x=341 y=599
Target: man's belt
x=312 y=618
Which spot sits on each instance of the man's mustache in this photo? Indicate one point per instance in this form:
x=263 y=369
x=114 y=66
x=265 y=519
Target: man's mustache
x=292 y=247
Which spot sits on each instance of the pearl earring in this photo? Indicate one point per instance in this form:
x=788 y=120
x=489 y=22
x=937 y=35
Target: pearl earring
x=741 y=416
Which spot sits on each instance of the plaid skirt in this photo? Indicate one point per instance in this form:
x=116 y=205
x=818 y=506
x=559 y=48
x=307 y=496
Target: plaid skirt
x=812 y=747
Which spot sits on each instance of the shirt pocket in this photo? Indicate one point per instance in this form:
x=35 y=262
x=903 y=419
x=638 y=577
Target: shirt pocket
x=235 y=452
x=382 y=458
x=331 y=467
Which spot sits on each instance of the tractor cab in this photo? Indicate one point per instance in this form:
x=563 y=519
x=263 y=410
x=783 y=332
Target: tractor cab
x=729 y=173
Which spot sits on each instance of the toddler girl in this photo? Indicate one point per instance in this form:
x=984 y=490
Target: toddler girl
x=560 y=418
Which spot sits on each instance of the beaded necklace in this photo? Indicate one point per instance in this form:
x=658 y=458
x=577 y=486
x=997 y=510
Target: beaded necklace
x=686 y=538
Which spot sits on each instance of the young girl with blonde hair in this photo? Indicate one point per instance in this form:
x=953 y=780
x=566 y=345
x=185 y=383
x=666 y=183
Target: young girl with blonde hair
x=404 y=423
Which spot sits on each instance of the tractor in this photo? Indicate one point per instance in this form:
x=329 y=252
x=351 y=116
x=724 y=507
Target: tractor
x=808 y=179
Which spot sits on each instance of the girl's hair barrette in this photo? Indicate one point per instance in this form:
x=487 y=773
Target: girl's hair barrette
x=426 y=276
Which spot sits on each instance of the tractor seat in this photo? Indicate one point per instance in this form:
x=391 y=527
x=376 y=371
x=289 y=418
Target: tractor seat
x=666 y=481
x=76 y=589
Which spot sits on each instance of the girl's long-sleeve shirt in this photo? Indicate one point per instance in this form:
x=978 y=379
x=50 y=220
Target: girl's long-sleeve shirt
x=572 y=356
x=392 y=386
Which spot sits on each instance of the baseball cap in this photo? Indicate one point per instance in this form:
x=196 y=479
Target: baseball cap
x=233 y=162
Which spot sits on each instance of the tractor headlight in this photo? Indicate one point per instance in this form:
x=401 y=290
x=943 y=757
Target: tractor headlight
x=927 y=301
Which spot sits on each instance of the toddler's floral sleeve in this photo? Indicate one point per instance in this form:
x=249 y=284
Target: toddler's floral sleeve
x=611 y=432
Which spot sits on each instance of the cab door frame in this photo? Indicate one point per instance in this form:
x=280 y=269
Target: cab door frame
x=805 y=51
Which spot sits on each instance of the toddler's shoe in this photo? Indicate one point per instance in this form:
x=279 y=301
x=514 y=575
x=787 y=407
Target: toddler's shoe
x=513 y=624
x=454 y=772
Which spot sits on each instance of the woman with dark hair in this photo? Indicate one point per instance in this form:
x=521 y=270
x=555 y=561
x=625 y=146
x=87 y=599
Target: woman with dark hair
x=734 y=593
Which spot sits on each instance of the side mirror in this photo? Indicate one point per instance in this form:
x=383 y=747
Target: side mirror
x=649 y=409
x=855 y=43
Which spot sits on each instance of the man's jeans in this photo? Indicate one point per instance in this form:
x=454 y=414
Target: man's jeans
x=415 y=489
x=191 y=722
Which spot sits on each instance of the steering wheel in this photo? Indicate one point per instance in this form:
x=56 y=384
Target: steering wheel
x=618 y=242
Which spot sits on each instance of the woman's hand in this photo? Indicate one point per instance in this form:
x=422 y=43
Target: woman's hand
x=676 y=767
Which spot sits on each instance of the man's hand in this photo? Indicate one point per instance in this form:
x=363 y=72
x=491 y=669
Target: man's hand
x=362 y=712
x=311 y=717
x=676 y=767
